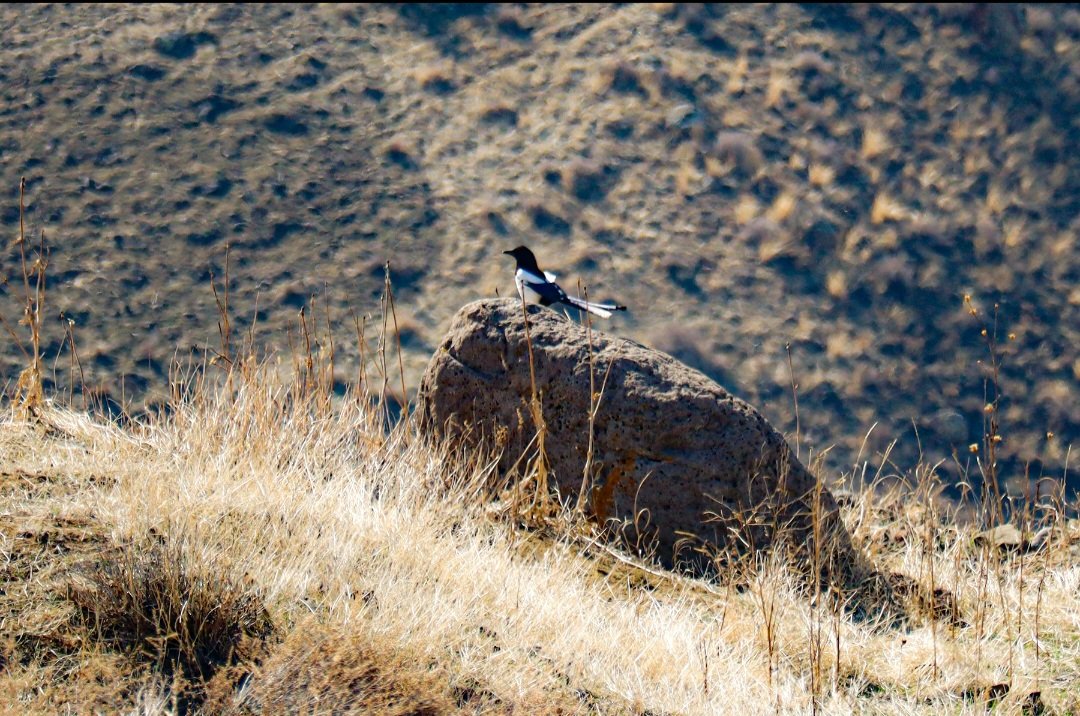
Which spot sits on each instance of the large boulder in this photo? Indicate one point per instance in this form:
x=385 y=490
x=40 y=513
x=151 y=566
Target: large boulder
x=678 y=462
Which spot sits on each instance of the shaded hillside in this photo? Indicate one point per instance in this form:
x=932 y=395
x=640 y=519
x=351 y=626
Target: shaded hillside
x=744 y=178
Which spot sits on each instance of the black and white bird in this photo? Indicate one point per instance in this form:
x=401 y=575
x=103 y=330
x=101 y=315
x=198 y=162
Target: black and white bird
x=543 y=284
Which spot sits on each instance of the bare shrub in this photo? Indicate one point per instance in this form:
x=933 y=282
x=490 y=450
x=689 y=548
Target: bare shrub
x=169 y=606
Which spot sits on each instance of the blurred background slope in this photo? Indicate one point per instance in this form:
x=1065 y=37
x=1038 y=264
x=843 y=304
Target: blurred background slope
x=836 y=178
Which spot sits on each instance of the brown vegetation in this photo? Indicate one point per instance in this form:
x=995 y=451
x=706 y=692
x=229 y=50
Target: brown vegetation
x=907 y=155
x=263 y=546
x=258 y=541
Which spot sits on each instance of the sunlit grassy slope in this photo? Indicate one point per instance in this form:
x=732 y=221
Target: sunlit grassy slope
x=263 y=549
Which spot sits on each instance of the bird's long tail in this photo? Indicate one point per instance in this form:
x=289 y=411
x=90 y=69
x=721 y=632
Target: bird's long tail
x=600 y=309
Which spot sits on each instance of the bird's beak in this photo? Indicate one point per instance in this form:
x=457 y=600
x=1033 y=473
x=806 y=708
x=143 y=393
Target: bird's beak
x=509 y=252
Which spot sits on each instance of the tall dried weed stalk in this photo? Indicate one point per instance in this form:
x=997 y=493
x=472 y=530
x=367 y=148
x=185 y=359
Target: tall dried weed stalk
x=29 y=391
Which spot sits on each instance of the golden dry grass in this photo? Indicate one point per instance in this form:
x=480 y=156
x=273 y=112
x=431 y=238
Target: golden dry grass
x=366 y=573
x=264 y=546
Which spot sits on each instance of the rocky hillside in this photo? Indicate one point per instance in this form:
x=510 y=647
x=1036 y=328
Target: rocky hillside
x=744 y=178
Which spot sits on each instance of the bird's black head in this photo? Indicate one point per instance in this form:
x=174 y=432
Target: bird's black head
x=525 y=258
x=520 y=253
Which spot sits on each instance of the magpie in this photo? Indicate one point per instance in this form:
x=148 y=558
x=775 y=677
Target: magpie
x=543 y=284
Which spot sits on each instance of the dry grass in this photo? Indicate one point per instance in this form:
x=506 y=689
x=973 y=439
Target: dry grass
x=266 y=546
x=261 y=550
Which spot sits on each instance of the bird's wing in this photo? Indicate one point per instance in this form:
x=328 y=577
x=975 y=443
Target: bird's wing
x=550 y=276
x=528 y=277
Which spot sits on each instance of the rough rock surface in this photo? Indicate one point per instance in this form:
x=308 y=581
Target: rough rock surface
x=670 y=444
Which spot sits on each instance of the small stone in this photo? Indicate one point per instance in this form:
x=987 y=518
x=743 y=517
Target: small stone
x=1005 y=536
